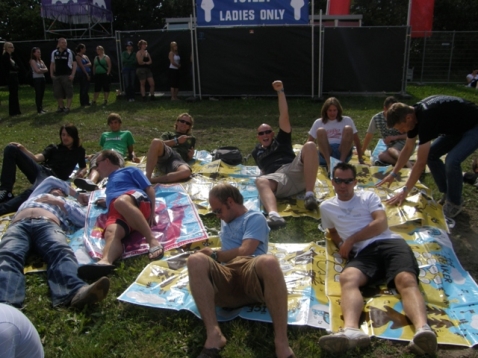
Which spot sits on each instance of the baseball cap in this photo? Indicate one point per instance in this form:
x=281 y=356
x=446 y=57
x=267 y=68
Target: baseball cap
x=129 y=43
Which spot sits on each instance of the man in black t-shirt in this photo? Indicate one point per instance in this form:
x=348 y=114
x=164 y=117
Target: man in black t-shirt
x=283 y=174
x=452 y=124
x=62 y=71
x=57 y=160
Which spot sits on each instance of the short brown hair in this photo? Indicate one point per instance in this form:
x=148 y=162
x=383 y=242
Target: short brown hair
x=114 y=116
x=397 y=113
x=224 y=191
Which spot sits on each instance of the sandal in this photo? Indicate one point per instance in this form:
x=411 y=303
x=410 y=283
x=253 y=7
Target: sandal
x=153 y=250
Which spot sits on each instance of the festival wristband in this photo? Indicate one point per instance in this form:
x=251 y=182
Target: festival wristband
x=393 y=175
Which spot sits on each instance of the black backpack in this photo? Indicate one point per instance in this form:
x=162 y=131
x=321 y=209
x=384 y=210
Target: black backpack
x=229 y=155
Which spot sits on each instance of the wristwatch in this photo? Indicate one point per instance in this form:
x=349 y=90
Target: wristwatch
x=214 y=255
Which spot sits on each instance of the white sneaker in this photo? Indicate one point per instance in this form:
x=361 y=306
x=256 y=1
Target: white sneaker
x=344 y=340
x=424 y=342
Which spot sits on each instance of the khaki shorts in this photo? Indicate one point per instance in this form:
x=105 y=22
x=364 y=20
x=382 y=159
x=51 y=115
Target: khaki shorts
x=62 y=87
x=236 y=283
x=289 y=178
x=144 y=73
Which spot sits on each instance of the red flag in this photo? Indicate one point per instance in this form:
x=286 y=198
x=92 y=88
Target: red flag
x=421 y=17
x=339 y=7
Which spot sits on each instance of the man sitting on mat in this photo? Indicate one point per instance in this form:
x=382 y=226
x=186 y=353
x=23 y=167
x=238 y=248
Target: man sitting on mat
x=130 y=200
x=239 y=274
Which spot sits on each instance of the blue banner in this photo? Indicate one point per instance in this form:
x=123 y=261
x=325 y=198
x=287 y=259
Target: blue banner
x=251 y=12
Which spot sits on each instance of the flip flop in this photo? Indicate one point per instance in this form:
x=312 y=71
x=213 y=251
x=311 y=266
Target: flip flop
x=210 y=353
x=153 y=250
x=94 y=271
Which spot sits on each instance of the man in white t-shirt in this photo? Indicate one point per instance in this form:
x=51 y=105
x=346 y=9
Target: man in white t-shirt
x=240 y=273
x=357 y=224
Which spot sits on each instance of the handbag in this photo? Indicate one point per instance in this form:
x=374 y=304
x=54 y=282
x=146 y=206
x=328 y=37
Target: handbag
x=229 y=155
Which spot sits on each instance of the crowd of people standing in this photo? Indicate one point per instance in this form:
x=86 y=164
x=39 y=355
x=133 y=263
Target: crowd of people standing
x=67 y=66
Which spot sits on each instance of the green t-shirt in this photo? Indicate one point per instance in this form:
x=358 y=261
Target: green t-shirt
x=101 y=66
x=128 y=59
x=183 y=148
x=119 y=141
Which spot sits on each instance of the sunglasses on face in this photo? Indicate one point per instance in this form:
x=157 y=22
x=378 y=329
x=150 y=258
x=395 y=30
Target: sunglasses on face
x=217 y=212
x=345 y=181
x=264 y=132
x=184 y=122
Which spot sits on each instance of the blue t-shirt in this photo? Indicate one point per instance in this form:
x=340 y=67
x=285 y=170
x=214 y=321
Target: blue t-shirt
x=251 y=225
x=123 y=180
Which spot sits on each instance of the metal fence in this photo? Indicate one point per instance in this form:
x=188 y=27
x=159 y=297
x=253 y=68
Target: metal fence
x=443 y=57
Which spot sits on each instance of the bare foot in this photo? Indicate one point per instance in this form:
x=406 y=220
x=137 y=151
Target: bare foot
x=215 y=340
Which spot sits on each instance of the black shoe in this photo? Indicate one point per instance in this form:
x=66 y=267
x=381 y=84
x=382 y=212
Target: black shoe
x=85 y=184
x=310 y=203
x=5 y=195
x=276 y=222
x=90 y=294
x=60 y=110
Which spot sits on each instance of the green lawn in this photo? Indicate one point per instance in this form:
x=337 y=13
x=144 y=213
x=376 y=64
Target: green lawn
x=115 y=329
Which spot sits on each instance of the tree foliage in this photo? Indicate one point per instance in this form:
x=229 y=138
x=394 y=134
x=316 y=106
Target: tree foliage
x=20 y=20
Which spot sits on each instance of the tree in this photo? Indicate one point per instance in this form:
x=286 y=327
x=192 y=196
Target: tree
x=20 y=20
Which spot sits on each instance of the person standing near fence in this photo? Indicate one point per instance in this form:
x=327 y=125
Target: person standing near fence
x=38 y=73
x=62 y=71
x=102 y=72
x=174 y=66
x=83 y=72
x=143 y=70
x=128 y=62
x=10 y=69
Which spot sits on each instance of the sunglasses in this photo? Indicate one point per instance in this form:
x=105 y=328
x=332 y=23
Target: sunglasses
x=345 y=181
x=264 y=132
x=217 y=212
x=184 y=122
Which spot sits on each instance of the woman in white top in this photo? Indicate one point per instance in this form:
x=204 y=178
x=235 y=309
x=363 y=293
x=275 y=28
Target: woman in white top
x=335 y=134
x=173 y=74
x=38 y=73
x=472 y=79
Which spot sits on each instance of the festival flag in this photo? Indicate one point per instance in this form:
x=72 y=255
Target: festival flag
x=339 y=7
x=421 y=17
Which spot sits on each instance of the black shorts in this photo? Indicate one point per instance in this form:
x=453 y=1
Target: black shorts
x=102 y=82
x=173 y=76
x=382 y=260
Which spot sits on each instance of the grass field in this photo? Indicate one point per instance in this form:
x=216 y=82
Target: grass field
x=115 y=329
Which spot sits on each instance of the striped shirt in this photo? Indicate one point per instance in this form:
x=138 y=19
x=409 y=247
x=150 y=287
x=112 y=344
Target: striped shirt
x=75 y=213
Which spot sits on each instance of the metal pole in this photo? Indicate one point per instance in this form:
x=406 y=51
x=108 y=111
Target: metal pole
x=197 y=53
x=192 y=54
x=319 y=59
x=312 y=48
x=118 y=58
x=423 y=58
x=451 y=55
x=409 y=15
x=406 y=59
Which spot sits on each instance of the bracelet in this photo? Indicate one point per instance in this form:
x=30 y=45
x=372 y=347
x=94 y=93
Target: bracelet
x=281 y=90
x=393 y=175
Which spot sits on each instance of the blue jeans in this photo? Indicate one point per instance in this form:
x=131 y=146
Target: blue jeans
x=448 y=176
x=35 y=173
x=129 y=78
x=49 y=241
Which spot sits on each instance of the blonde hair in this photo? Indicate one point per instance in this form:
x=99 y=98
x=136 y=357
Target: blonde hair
x=141 y=42
x=6 y=45
x=190 y=118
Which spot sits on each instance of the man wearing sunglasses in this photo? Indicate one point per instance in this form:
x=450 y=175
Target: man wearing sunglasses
x=283 y=173
x=172 y=152
x=357 y=224
x=240 y=273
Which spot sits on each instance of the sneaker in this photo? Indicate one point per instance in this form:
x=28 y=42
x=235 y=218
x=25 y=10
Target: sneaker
x=131 y=100
x=451 y=210
x=344 y=340
x=5 y=195
x=60 y=110
x=93 y=103
x=90 y=294
x=85 y=184
x=310 y=203
x=152 y=97
x=276 y=222
x=424 y=342
x=66 y=110
x=105 y=103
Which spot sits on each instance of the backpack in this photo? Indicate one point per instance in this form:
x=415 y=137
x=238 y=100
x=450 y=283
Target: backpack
x=229 y=155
